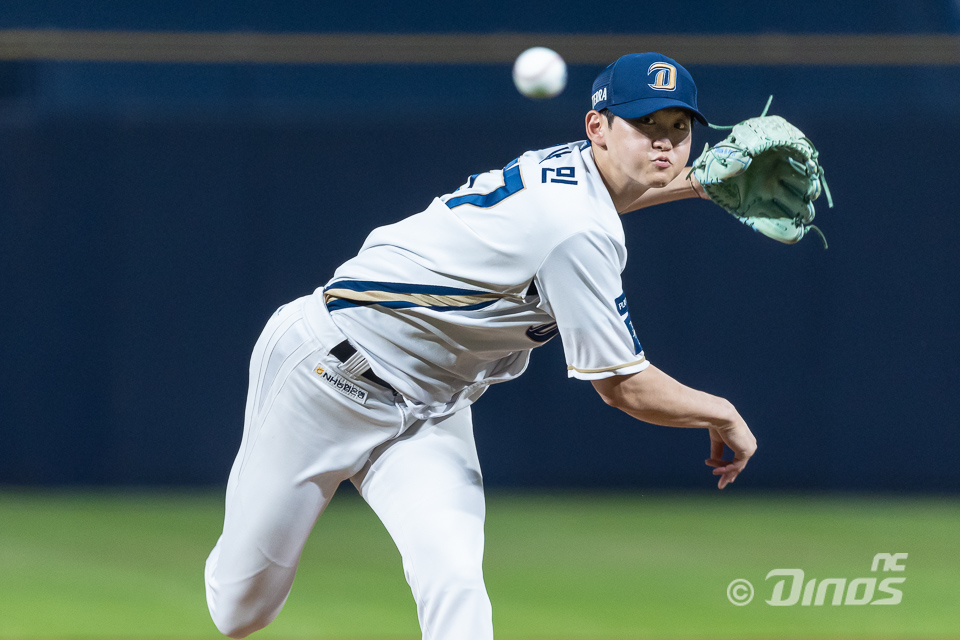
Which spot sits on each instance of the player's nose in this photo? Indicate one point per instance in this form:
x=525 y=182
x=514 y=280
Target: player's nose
x=663 y=142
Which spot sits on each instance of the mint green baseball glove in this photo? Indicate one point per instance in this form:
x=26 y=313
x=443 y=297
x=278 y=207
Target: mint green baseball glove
x=767 y=174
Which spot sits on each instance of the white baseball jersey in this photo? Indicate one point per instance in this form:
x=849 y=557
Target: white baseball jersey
x=452 y=299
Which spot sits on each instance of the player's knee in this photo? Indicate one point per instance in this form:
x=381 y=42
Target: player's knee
x=237 y=614
x=235 y=632
x=239 y=622
x=239 y=631
x=240 y=607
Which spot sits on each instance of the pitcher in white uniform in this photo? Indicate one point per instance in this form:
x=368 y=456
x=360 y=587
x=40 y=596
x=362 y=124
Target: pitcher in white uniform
x=371 y=377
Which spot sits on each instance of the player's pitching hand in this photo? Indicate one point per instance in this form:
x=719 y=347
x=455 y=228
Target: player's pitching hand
x=741 y=441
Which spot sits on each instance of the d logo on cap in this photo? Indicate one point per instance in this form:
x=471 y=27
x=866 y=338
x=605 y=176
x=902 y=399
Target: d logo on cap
x=624 y=87
x=666 y=76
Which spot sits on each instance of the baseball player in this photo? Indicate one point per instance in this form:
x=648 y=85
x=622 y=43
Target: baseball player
x=371 y=377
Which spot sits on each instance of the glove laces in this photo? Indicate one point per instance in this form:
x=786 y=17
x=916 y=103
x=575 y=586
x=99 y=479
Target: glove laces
x=820 y=174
x=823 y=178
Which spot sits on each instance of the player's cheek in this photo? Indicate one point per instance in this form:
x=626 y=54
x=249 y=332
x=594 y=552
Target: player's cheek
x=683 y=150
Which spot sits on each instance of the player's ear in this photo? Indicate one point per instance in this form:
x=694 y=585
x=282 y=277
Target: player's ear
x=596 y=128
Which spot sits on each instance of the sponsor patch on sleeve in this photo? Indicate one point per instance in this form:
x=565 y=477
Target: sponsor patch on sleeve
x=624 y=310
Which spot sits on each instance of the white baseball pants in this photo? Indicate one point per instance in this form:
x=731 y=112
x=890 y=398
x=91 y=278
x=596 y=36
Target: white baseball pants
x=302 y=437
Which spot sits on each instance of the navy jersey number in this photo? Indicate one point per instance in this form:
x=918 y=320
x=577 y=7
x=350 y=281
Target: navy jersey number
x=561 y=175
x=512 y=183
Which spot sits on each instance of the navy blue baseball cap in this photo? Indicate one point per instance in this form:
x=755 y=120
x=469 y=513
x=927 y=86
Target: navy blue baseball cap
x=640 y=83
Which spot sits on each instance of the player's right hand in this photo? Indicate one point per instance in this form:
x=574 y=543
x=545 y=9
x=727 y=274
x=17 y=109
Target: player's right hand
x=740 y=440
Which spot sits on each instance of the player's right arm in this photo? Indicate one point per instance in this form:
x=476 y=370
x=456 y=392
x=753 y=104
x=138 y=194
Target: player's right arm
x=653 y=396
x=580 y=287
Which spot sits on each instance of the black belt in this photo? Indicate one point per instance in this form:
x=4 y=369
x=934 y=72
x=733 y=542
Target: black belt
x=344 y=351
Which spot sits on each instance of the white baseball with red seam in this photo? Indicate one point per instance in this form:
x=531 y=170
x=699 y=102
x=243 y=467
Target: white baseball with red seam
x=540 y=73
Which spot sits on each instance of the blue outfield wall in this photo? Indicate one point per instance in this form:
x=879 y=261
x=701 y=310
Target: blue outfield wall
x=153 y=216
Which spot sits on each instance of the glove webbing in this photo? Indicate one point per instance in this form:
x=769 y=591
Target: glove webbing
x=823 y=179
x=797 y=165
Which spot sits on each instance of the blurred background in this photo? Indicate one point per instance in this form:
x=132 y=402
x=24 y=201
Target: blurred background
x=173 y=171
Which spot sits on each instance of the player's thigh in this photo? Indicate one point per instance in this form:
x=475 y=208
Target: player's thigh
x=301 y=439
x=427 y=489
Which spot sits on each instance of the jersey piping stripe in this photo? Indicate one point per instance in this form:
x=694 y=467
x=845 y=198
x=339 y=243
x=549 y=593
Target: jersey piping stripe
x=618 y=366
x=345 y=294
x=403 y=287
x=512 y=183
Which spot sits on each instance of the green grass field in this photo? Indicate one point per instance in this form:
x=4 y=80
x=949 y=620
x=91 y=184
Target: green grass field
x=558 y=566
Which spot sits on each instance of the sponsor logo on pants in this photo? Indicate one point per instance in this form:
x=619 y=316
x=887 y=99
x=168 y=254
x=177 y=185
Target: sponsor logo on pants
x=345 y=387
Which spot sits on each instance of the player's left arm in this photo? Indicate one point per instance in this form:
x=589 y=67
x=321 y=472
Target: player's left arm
x=679 y=188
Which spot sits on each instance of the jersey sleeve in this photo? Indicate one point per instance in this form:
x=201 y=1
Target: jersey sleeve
x=579 y=285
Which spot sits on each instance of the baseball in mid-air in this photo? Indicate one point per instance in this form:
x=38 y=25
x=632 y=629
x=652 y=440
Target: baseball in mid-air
x=540 y=73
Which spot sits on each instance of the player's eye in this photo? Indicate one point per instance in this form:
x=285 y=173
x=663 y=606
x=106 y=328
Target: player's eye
x=645 y=120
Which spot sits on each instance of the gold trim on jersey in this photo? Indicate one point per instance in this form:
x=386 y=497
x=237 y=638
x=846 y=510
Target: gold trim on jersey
x=613 y=368
x=416 y=299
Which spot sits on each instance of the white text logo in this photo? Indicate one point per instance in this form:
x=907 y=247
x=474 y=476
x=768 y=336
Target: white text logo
x=792 y=587
x=599 y=96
